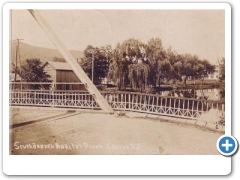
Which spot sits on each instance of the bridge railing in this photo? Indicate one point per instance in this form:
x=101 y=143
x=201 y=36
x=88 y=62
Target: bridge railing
x=123 y=101
x=47 y=98
x=162 y=105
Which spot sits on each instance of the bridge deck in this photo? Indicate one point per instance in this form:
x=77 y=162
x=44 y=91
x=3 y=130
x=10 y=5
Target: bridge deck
x=64 y=132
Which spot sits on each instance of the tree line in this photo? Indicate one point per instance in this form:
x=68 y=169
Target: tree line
x=134 y=65
x=143 y=66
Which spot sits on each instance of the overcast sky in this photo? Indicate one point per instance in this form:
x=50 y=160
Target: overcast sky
x=199 y=32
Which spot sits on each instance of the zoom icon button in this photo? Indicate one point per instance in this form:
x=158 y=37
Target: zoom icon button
x=227 y=145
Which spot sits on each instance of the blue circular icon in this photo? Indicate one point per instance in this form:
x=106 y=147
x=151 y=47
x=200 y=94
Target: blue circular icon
x=227 y=145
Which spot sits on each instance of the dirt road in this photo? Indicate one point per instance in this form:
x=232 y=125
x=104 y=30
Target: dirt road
x=62 y=132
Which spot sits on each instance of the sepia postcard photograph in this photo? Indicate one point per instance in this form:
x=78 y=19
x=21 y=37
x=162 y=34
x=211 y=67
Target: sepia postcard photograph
x=116 y=81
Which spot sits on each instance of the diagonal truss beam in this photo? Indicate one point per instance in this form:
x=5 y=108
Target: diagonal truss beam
x=102 y=102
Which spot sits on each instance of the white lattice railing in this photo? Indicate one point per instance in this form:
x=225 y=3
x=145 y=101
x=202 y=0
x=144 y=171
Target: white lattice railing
x=124 y=101
x=156 y=104
x=52 y=99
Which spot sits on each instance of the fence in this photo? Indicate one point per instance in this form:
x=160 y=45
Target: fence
x=161 y=105
x=43 y=98
x=124 y=101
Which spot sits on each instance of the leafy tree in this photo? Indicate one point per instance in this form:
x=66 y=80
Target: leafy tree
x=176 y=65
x=177 y=69
x=222 y=69
x=138 y=65
x=138 y=75
x=101 y=63
x=32 y=71
x=206 y=68
x=155 y=54
x=131 y=51
x=188 y=66
x=195 y=68
x=165 y=69
x=222 y=77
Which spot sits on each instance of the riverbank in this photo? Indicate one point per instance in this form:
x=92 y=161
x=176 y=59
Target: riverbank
x=190 y=84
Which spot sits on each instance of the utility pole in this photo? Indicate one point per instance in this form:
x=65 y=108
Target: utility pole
x=92 y=51
x=17 y=58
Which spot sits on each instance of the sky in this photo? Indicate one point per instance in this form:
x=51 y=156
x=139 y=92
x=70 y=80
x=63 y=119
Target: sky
x=198 y=32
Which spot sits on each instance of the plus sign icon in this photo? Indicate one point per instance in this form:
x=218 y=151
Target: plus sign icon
x=227 y=145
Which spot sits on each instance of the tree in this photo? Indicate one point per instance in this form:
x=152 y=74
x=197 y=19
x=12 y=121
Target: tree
x=189 y=66
x=165 y=69
x=222 y=69
x=138 y=75
x=193 y=67
x=131 y=51
x=138 y=65
x=101 y=63
x=176 y=67
x=34 y=72
x=222 y=77
x=206 y=69
x=155 y=54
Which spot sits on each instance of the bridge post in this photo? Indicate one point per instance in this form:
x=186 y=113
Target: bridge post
x=129 y=100
x=34 y=97
x=198 y=107
x=192 y=107
x=179 y=102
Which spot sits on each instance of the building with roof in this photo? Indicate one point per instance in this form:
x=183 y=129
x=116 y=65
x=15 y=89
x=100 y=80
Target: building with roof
x=61 y=72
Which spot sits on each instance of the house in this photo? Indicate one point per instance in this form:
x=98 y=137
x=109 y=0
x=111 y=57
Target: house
x=215 y=74
x=61 y=72
x=212 y=76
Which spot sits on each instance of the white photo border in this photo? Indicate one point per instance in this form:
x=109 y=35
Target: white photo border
x=114 y=164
